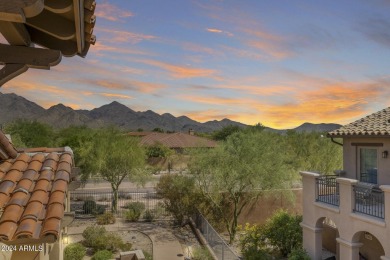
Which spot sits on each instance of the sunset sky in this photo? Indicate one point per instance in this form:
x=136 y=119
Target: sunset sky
x=281 y=63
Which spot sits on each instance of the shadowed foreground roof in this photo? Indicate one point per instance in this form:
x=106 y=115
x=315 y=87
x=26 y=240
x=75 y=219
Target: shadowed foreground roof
x=33 y=189
x=177 y=140
x=376 y=124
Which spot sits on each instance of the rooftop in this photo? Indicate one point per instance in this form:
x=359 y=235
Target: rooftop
x=33 y=188
x=376 y=124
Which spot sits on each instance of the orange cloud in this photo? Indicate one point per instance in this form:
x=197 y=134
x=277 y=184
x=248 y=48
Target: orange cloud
x=214 y=30
x=124 y=84
x=111 y=12
x=341 y=102
x=214 y=100
x=198 y=48
x=180 y=71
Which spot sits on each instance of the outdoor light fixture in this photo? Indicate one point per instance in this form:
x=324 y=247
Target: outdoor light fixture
x=385 y=154
x=65 y=238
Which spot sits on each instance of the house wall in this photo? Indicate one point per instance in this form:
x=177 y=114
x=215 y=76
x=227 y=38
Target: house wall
x=350 y=158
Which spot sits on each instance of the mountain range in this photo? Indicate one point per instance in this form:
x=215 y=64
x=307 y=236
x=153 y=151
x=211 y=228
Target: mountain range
x=14 y=107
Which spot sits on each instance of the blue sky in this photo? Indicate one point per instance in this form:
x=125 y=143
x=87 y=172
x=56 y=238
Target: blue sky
x=281 y=63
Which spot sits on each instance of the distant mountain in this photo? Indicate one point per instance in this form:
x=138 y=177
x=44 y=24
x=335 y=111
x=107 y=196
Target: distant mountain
x=309 y=127
x=14 y=107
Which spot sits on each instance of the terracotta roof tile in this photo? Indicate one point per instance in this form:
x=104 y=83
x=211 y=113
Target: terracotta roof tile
x=12 y=213
x=25 y=184
x=46 y=175
x=27 y=228
x=43 y=185
x=57 y=197
x=40 y=196
x=13 y=175
x=6 y=187
x=4 y=166
x=30 y=174
x=19 y=198
x=55 y=210
x=7 y=230
x=33 y=193
x=33 y=210
x=7 y=150
x=60 y=185
x=376 y=124
x=51 y=227
x=4 y=198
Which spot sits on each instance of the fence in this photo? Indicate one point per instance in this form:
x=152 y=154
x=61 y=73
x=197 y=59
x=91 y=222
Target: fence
x=219 y=246
x=328 y=190
x=369 y=200
x=91 y=203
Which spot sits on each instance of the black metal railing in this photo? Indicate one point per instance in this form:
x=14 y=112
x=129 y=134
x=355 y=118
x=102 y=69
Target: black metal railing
x=327 y=190
x=369 y=200
x=86 y=202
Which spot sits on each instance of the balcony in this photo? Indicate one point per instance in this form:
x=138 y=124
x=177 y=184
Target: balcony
x=367 y=198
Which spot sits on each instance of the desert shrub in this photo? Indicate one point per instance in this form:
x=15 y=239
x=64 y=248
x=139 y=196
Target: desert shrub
x=134 y=211
x=102 y=255
x=137 y=206
x=89 y=206
x=298 y=254
x=126 y=246
x=180 y=197
x=74 y=251
x=132 y=215
x=105 y=219
x=201 y=253
x=279 y=236
x=98 y=238
x=100 y=209
x=148 y=216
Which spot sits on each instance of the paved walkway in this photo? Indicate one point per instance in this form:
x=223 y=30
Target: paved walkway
x=165 y=245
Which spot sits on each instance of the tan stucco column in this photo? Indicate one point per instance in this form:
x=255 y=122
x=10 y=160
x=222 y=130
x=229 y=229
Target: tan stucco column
x=312 y=236
x=312 y=241
x=348 y=250
x=346 y=195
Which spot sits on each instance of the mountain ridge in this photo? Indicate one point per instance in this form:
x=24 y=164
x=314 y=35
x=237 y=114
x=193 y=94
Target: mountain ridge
x=14 y=107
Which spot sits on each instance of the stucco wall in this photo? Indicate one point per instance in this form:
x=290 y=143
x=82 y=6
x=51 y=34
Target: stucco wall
x=265 y=207
x=350 y=158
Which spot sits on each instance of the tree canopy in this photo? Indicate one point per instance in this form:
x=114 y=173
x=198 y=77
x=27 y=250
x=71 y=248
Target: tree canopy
x=235 y=173
x=114 y=157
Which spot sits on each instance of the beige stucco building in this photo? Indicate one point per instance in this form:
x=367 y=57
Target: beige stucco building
x=349 y=213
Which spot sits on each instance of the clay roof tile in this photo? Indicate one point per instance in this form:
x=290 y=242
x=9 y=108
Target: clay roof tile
x=27 y=228
x=51 y=227
x=7 y=230
x=12 y=213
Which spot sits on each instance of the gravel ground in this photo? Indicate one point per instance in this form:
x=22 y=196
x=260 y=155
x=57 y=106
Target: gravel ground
x=139 y=240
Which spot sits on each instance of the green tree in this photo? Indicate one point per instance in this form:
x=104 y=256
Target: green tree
x=279 y=236
x=114 y=157
x=180 y=196
x=313 y=152
x=225 y=132
x=75 y=137
x=235 y=173
x=158 y=130
x=31 y=133
x=158 y=150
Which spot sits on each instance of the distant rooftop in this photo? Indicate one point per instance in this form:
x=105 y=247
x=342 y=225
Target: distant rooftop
x=376 y=124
